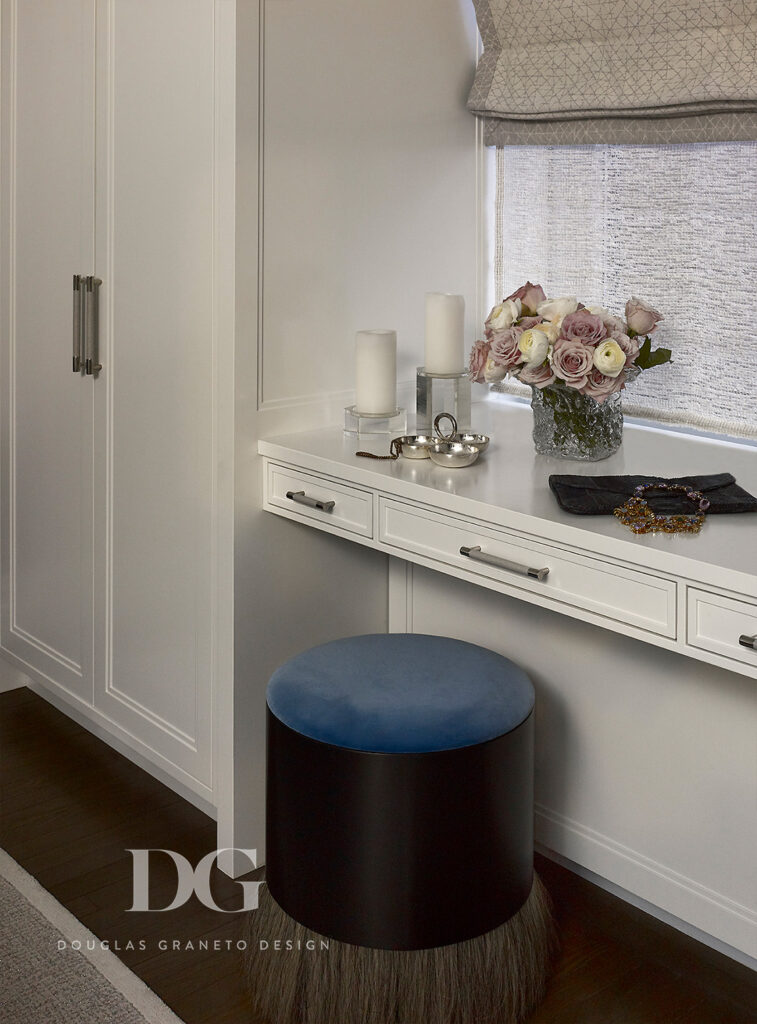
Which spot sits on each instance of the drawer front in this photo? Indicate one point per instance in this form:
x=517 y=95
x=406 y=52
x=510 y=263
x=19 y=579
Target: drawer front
x=717 y=624
x=293 y=491
x=616 y=593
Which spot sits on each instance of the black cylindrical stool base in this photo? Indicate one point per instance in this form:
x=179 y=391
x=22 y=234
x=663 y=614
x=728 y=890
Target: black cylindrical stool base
x=400 y=851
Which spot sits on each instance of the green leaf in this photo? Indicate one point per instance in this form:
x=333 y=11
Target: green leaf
x=647 y=358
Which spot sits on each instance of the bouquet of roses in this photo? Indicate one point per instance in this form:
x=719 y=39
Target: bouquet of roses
x=560 y=343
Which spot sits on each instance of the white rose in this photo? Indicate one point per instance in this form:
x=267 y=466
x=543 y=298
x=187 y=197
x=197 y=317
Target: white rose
x=493 y=372
x=609 y=358
x=554 y=308
x=534 y=344
x=504 y=315
x=611 y=322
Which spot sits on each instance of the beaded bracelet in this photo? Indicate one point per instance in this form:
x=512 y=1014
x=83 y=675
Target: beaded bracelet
x=640 y=518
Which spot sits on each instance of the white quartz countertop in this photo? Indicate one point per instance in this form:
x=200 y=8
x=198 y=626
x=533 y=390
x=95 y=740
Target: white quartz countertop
x=509 y=486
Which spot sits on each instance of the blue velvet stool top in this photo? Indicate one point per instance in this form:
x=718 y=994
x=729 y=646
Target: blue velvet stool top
x=400 y=693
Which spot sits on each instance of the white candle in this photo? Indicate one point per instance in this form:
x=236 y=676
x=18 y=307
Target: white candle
x=376 y=371
x=445 y=315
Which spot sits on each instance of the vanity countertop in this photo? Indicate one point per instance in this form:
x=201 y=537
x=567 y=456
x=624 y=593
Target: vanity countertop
x=508 y=487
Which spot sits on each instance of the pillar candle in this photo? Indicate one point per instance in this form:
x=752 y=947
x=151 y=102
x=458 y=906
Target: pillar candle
x=376 y=371
x=444 y=333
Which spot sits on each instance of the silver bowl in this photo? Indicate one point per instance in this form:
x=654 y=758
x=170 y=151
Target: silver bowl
x=480 y=441
x=416 y=446
x=453 y=454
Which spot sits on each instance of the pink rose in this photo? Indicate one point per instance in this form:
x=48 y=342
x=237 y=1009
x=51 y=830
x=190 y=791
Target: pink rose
x=612 y=323
x=599 y=387
x=642 y=319
x=477 y=363
x=528 y=322
x=540 y=376
x=572 y=361
x=530 y=296
x=629 y=345
x=504 y=344
x=583 y=326
x=504 y=347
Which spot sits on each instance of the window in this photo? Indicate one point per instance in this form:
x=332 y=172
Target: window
x=675 y=225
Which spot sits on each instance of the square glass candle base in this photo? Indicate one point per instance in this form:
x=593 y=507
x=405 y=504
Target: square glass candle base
x=394 y=423
x=441 y=392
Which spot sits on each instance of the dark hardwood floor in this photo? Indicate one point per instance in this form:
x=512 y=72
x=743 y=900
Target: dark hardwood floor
x=70 y=807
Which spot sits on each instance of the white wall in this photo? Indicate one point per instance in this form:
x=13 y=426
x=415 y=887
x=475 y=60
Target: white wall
x=370 y=199
x=357 y=179
x=645 y=759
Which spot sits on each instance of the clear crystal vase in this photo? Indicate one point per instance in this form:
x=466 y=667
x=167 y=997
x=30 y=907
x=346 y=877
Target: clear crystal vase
x=568 y=425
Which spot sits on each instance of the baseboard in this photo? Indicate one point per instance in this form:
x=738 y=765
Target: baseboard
x=11 y=678
x=708 y=916
x=48 y=694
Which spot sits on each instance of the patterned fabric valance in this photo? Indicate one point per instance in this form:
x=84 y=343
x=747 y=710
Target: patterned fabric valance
x=574 y=72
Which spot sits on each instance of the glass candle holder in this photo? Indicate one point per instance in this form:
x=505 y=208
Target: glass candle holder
x=393 y=423
x=442 y=392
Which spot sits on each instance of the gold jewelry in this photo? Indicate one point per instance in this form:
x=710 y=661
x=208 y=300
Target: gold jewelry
x=640 y=518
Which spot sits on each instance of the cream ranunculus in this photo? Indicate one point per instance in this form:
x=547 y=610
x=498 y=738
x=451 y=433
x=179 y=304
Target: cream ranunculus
x=554 y=308
x=534 y=344
x=551 y=329
x=504 y=315
x=609 y=358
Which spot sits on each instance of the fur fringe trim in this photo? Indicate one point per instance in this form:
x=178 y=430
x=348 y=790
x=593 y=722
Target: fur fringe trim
x=497 y=978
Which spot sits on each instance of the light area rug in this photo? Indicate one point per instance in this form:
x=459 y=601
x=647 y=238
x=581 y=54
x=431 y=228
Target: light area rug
x=41 y=983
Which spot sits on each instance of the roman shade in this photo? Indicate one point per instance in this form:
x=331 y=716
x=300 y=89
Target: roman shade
x=674 y=224
x=576 y=72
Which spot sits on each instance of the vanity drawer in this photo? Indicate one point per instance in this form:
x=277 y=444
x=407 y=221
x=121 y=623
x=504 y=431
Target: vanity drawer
x=317 y=500
x=718 y=624
x=644 y=600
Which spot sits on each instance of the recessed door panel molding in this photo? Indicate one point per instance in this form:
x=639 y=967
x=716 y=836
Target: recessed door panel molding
x=47 y=237
x=158 y=252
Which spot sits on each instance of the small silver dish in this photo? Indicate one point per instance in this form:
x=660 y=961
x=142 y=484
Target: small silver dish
x=416 y=446
x=480 y=441
x=453 y=454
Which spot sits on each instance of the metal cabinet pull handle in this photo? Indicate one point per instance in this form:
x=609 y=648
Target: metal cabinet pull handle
x=92 y=326
x=78 y=331
x=478 y=555
x=748 y=641
x=303 y=499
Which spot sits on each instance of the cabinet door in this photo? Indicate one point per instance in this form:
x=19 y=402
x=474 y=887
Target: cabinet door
x=158 y=210
x=48 y=235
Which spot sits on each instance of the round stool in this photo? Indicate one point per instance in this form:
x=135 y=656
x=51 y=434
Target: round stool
x=400 y=826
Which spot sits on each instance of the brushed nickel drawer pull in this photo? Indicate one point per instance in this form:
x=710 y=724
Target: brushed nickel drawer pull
x=78 y=361
x=92 y=364
x=748 y=641
x=303 y=499
x=477 y=555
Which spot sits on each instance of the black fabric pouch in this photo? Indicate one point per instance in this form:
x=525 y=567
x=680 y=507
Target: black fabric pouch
x=601 y=495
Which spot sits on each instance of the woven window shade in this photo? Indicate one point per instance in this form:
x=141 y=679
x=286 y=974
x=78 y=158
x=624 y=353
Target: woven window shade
x=675 y=225
x=573 y=72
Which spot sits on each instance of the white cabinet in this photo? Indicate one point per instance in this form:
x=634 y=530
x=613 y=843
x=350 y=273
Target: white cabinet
x=722 y=625
x=542 y=573
x=48 y=223
x=118 y=156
